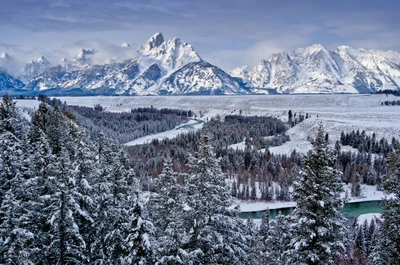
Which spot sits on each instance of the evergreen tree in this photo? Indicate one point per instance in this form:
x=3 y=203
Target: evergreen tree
x=278 y=241
x=259 y=254
x=217 y=235
x=388 y=249
x=139 y=231
x=167 y=209
x=318 y=231
x=253 y=195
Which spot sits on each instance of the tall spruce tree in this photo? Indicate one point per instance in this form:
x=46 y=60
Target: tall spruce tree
x=318 y=228
x=167 y=209
x=217 y=235
x=278 y=241
x=388 y=249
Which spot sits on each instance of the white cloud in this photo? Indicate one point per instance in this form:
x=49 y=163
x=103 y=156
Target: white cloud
x=230 y=59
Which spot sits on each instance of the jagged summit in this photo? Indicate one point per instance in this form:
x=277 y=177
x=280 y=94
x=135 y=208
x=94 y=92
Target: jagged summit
x=4 y=55
x=314 y=48
x=155 y=41
x=40 y=60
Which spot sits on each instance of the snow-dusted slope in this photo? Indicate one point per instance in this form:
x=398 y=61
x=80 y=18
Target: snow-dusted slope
x=8 y=82
x=317 y=70
x=170 y=66
x=201 y=78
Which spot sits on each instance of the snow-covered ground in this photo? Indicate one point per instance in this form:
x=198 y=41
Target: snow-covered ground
x=338 y=113
x=369 y=216
x=27 y=103
x=192 y=125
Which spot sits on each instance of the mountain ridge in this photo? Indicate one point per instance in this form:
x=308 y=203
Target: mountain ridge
x=173 y=67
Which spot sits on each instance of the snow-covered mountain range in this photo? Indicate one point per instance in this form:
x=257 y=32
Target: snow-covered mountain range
x=162 y=67
x=317 y=70
x=173 y=67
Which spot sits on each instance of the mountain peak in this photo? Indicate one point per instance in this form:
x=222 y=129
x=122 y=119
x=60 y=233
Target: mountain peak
x=125 y=45
x=42 y=60
x=4 y=55
x=315 y=48
x=241 y=72
x=278 y=56
x=155 y=41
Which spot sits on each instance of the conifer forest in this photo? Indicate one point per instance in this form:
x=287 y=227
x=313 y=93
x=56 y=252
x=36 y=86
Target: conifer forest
x=72 y=193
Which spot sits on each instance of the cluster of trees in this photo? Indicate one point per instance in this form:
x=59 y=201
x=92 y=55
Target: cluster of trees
x=124 y=126
x=66 y=199
x=367 y=144
x=391 y=103
x=294 y=118
x=392 y=92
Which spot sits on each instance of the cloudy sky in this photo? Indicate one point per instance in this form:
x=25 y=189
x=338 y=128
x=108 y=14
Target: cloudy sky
x=228 y=33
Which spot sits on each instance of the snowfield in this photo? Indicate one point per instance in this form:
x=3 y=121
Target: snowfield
x=192 y=125
x=338 y=112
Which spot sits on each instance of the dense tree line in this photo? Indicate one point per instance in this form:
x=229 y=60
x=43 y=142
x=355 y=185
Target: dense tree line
x=391 y=103
x=124 y=126
x=391 y=92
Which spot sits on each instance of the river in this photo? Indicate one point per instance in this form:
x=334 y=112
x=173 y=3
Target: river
x=350 y=210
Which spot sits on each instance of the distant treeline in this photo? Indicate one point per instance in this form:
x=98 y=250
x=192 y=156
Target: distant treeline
x=125 y=127
x=391 y=103
x=392 y=92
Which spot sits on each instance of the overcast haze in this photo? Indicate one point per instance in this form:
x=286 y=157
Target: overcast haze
x=226 y=33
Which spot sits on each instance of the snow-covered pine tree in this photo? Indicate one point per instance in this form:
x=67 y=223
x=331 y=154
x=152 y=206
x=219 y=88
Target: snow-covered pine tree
x=388 y=249
x=258 y=252
x=318 y=232
x=122 y=232
x=166 y=209
x=264 y=227
x=84 y=176
x=217 y=235
x=277 y=243
x=66 y=242
x=10 y=120
x=139 y=231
